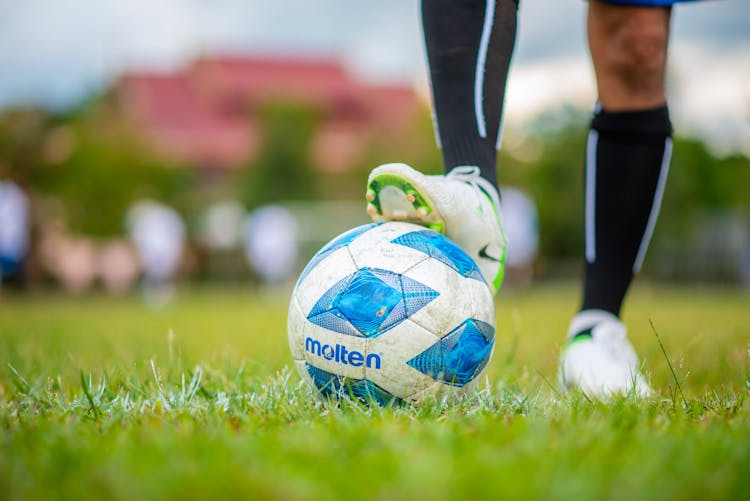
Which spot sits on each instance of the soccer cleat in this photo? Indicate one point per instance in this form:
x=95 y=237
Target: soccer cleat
x=461 y=204
x=598 y=359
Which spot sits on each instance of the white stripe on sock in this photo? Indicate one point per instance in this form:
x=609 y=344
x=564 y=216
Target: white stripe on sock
x=658 y=195
x=484 y=42
x=499 y=133
x=591 y=196
x=435 y=124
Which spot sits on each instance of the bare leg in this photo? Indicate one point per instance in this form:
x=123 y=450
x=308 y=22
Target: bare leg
x=629 y=146
x=629 y=50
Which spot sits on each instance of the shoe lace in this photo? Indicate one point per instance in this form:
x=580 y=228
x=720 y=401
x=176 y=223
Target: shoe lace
x=471 y=175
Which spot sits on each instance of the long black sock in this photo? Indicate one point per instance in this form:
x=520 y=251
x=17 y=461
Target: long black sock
x=469 y=45
x=626 y=169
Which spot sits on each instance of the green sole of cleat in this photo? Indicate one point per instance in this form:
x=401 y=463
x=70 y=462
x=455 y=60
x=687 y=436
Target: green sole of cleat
x=581 y=336
x=412 y=196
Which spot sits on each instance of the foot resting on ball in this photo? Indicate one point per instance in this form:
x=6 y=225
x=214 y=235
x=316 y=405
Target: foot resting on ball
x=462 y=205
x=598 y=359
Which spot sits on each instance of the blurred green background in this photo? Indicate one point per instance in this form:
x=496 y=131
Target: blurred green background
x=241 y=105
x=85 y=168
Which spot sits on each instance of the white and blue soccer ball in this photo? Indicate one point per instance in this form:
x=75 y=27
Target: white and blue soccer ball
x=391 y=312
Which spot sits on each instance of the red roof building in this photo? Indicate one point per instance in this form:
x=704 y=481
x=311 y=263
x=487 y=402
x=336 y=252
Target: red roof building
x=205 y=116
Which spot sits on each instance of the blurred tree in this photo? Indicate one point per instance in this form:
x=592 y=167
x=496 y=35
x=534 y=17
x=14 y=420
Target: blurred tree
x=545 y=159
x=283 y=169
x=414 y=146
x=94 y=165
x=22 y=135
x=700 y=182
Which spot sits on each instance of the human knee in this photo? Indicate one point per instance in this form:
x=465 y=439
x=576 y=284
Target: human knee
x=637 y=55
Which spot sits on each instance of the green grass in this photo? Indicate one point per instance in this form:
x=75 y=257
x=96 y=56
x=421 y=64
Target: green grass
x=101 y=398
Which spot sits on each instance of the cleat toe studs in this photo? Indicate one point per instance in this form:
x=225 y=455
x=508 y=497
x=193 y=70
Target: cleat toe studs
x=370 y=195
x=372 y=211
x=421 y=213
x=411 y=197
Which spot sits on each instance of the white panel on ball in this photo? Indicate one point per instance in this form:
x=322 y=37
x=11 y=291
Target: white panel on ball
x=396 y=347
x=457 y=299
x=375 y=250
x=296 y=323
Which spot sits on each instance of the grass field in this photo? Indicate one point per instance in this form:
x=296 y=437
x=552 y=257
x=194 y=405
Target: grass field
x=101 y=398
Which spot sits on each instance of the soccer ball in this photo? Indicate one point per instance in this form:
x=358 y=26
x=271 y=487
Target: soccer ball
x=390 y=313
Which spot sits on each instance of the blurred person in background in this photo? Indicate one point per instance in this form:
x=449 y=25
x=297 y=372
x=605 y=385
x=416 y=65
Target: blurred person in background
x=118 y=265
x=220 y=225
x=14 y=231
x=158 y=233
x=271 y=239
x=518 y=216
x=469 y=44
x=219 y=240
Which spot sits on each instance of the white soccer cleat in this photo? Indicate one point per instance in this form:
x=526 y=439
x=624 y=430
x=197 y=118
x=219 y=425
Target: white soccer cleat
x=598 y=359
x=461 y=204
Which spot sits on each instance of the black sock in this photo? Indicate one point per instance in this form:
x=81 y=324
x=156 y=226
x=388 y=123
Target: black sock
x=461 y=35
x=627 y=163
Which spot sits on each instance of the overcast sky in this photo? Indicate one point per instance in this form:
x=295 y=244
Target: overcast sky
x=55 y=52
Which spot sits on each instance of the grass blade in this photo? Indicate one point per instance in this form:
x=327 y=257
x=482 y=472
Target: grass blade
x=669 y=362
x=86 y=392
